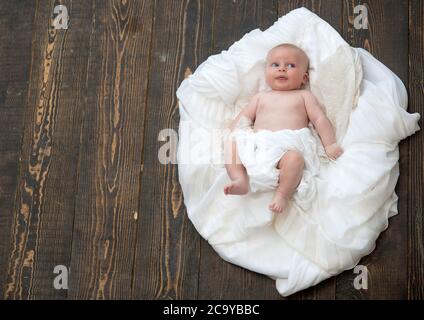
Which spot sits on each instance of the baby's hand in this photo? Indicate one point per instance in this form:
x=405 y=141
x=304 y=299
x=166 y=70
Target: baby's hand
x=333 y=151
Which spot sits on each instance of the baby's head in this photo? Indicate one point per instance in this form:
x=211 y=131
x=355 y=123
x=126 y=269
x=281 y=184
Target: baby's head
x=287 y=67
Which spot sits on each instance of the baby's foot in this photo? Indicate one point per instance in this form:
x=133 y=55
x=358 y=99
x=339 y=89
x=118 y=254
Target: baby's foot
x=238 y=186
x=279 y=203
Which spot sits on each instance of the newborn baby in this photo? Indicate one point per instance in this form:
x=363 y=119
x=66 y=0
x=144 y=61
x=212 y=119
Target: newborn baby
x=287 y=109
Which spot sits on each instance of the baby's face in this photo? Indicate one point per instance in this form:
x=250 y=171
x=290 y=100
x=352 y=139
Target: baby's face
x=286 y=69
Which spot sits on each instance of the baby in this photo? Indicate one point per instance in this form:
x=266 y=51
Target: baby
x=285 y=106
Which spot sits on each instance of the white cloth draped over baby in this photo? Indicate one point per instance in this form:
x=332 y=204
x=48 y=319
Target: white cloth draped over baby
x=261 y=151
x=353 y=196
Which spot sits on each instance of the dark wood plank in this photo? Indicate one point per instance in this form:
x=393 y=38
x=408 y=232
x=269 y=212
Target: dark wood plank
x=44 y=209
x=110 y=152
x=387 y=39
x=232 y=20
x=167 y=252
x=15 y=56
x=330 y=11
x=414 y=148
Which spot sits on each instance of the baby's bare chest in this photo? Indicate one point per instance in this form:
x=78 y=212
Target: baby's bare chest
x=291 y=105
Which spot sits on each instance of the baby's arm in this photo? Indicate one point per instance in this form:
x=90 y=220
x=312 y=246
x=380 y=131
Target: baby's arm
x=248 y=111
x=322 y=125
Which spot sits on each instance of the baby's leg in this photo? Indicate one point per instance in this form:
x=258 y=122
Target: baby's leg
x=291 y=172
x=236 y=171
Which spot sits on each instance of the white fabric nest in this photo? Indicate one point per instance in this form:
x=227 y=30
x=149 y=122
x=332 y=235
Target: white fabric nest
x=366 y=104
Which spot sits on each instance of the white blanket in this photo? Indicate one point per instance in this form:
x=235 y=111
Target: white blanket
x=355 y=196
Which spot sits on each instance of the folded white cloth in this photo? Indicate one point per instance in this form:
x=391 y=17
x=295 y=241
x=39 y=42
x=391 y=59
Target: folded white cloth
x=261 y=151
x=355 y=195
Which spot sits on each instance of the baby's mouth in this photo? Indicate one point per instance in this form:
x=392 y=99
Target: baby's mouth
x=281 y=78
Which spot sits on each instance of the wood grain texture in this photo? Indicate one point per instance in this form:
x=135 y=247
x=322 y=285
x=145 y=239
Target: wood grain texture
x=167 y=250
x=388 y=42
x=414 y=184
x=43 y=212
x=111 y=147
x=15 y=57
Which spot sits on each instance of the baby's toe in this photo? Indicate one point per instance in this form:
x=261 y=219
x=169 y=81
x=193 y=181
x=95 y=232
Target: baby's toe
x=274 y=207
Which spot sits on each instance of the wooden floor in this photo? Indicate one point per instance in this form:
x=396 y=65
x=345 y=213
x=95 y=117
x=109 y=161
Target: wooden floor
x=80 y=181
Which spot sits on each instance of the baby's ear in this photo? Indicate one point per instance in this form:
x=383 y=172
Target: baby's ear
x=306 y=77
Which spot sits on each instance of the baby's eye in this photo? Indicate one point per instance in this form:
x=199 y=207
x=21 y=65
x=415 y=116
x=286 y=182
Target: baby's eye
x=290 y=65
x=274 y=65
